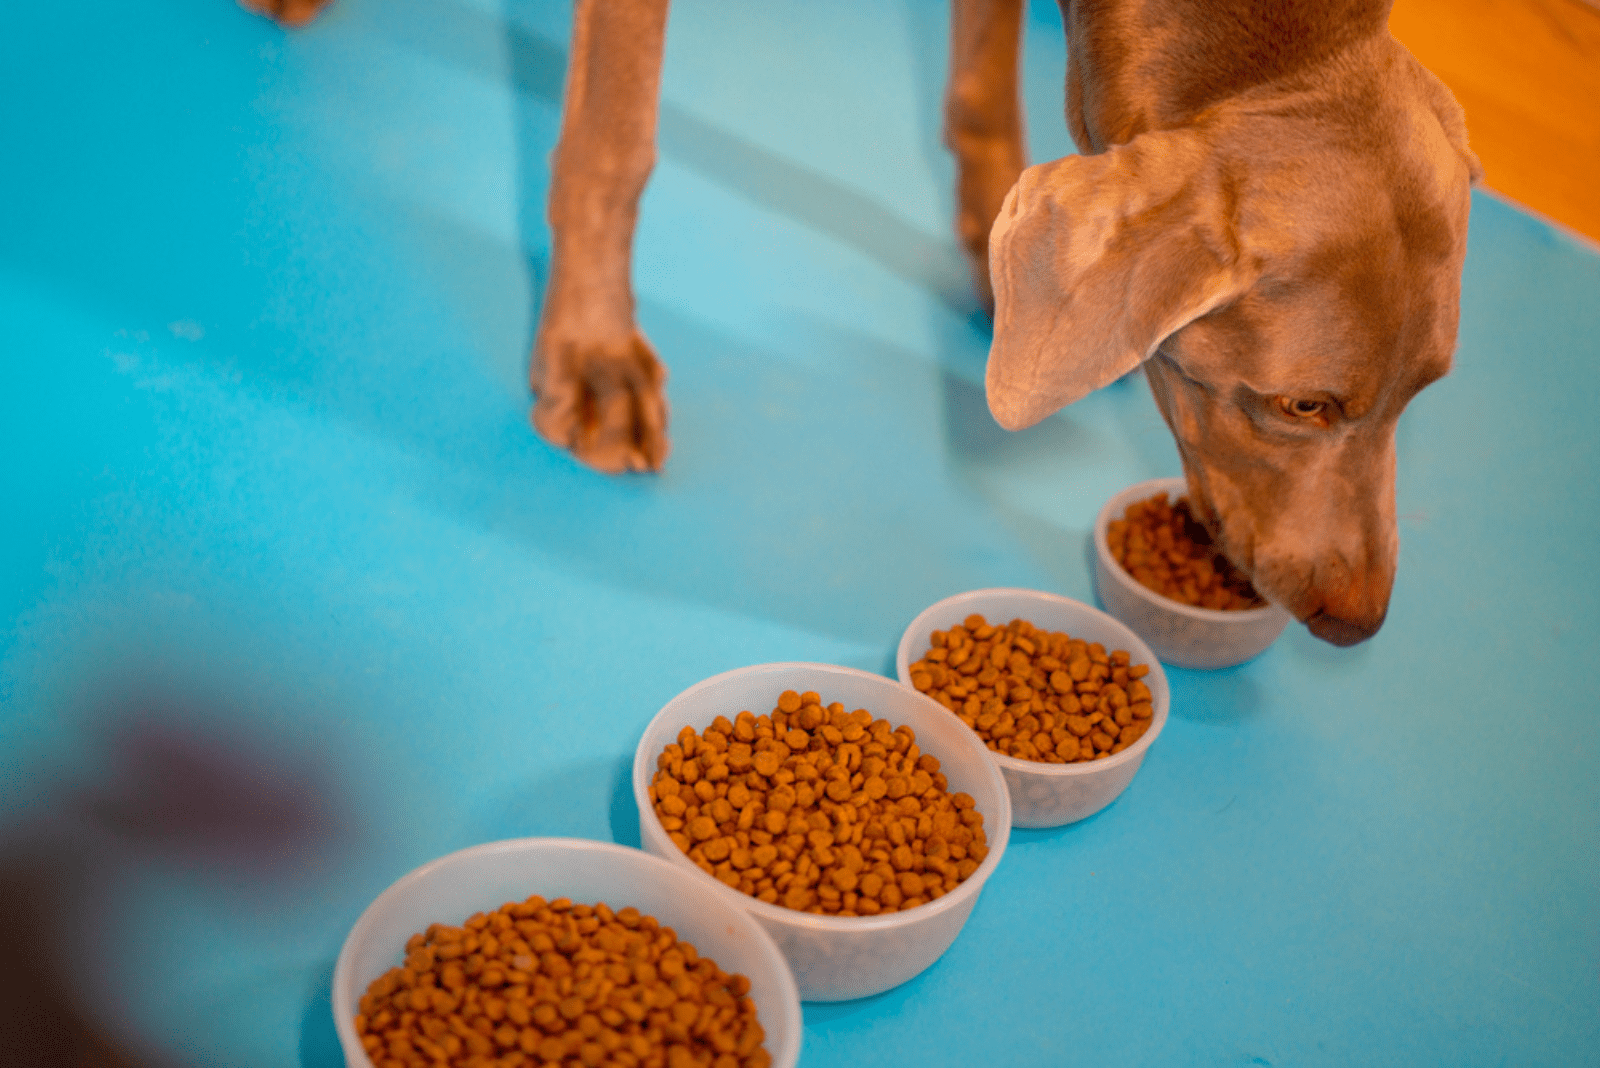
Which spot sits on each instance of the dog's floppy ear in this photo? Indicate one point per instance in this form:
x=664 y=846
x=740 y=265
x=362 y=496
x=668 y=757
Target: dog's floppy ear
x=1098 y=259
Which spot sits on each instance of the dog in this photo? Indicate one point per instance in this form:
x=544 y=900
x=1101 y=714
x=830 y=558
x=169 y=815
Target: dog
x=1269 y=217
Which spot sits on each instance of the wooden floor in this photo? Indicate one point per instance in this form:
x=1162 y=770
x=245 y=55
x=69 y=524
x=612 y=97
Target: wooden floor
x=1528 y=74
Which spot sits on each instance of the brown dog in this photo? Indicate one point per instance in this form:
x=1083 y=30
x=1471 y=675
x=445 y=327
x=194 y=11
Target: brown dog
x=1270 y=216
x=1272 y=221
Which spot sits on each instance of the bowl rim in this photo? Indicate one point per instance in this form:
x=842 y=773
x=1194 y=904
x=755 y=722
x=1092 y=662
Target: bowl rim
x=1039 y=768
x=1150 y=487
x=342 y=985
x=644 y=766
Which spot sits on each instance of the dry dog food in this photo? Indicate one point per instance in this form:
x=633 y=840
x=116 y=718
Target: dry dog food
x=550 y=982
x=1166 y=549
x=818 y=809
x=1035 y=694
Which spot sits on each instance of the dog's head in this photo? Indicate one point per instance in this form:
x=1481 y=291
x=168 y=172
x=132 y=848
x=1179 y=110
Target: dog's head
x=1288 y=271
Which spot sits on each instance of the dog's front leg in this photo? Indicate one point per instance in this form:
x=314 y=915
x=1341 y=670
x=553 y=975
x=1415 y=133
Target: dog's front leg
x=599 y=386
x=983 y=124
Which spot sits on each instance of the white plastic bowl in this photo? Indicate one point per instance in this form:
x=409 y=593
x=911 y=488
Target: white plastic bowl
x=484 y=877
x=837 y=958
x=1180 y=634
x=1048 y=795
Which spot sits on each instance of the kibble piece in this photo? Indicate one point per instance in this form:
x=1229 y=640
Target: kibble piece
x=559 y=983
x=1055 y=700
x=1167 y=550
x=833 y=807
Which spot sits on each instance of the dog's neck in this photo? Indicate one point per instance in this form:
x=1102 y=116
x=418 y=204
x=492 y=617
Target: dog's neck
x=1137 y=65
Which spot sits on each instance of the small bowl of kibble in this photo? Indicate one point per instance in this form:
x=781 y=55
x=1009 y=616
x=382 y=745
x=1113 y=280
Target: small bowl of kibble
x=558 y=950
x=1064 y=698
x=856 y=820
x=1156 y=570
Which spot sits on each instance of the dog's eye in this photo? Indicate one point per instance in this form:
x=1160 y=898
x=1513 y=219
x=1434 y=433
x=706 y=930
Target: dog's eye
x=1299 y=408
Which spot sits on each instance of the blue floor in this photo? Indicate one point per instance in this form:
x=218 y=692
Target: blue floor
x=293 y=600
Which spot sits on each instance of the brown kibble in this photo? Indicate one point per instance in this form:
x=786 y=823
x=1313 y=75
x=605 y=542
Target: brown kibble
x=1184 y=565
x=550 y=1014
x=783 y=798
x=829 y=792
x=1038 y=687
x=788 y=701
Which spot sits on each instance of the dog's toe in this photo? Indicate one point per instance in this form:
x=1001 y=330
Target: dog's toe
x=606 y=404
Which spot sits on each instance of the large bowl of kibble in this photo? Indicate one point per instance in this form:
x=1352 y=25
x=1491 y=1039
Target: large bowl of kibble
x=1065 y=699
x=1156 y=570
x=856 y=820
x=557 y=950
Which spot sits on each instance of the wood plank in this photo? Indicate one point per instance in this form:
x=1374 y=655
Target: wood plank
x=1528 y=74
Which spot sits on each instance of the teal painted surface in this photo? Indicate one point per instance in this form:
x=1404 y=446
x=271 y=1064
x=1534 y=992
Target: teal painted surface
x=293 y=600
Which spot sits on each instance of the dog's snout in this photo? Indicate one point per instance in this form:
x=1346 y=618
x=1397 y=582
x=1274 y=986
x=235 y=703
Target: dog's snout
x=1352 y=605
x=1340 y=603
x=1340 y=631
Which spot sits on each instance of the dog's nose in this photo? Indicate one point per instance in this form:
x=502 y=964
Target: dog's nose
x=1338 y=630
x=1348 y=600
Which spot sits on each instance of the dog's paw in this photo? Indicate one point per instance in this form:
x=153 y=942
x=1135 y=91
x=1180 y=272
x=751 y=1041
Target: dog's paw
x=606 y=403
x=287 y=12
x=973 y=232
x=987 y=169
